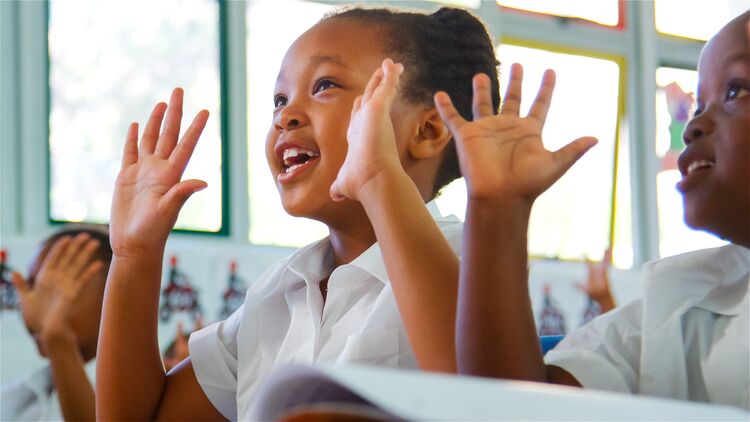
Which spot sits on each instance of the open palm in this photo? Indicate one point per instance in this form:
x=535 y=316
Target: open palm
x=503 y=155
x=148 y=192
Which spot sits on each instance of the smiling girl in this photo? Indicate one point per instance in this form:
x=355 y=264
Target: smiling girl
x=356 y=143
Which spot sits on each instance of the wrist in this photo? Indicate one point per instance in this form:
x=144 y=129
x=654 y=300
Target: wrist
x=383 y=184
x=58 y=337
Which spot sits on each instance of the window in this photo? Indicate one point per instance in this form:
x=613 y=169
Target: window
x=604 y=12
x=675 y=103
x=572 y=220
x=697 y=19
x=107 y=68
x=266 y=46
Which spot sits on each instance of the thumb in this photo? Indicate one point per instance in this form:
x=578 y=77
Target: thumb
x=176 y=197
x=569 y=154
x=22 y=287
x=335 y=191
x=448 y=112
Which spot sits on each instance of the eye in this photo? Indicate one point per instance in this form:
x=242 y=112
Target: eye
x=323 y=84
x=736 y=90
x=279 y=101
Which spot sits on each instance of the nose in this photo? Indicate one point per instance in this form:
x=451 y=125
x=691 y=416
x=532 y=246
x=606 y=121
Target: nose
x=698 y=128
x=289 y=118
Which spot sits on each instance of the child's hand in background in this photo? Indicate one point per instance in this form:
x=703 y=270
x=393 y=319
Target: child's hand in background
x=148 y=193
x=502 y=156
x=47 y=306
x=597 y=282
x=372 y=142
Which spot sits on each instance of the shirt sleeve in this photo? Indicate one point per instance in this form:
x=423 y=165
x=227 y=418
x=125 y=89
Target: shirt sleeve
x=213 y=353
x=605 y=353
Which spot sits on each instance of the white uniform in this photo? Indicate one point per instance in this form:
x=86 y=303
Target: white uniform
x=686 y=339
x=283 y=321
x=33 y=397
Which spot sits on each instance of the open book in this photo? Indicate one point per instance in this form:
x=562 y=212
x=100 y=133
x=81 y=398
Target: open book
x=374 y=393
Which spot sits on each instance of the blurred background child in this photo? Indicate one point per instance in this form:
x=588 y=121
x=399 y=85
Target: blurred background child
x=61 y=302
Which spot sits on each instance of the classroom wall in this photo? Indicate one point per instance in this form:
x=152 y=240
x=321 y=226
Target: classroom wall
x=206 y=263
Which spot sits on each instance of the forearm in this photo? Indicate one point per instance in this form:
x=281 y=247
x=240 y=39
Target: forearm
x=70 y=379
x=496 y=334
x=421 y=265
x=130 y=374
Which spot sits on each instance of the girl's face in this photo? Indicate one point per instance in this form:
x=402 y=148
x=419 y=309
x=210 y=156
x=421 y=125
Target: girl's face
x=321 y=75
x=715 y=165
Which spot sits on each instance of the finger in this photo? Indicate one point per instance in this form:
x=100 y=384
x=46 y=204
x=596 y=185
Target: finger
x=607 y=260
x=481 y=105
x=20 y=284
x=168 y=138
x=198 y=324
x=335 y=192
x=54 y=254
x=387 y=88
x=180 y=329
x=176 y=197
x=569 y=154
x=184 y=150
x=130 y=149
x=448 y=112
x=67 y=258
x=151 y=132
x=356 y=106
x=89 y=273
x=543 y=99
x=512 y=100
x=84 y=257
x=372 y=84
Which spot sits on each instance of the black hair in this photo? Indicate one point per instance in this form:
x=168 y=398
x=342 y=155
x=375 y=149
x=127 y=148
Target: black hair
x=441 y=51
x=100 y=233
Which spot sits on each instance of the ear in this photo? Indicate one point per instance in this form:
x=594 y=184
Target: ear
x=432 y=137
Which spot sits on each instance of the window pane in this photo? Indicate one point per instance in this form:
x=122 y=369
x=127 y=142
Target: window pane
x=605 y=12
x=108 y=67
x=572 y=219
x=266 y=46
x=698 y=19
x=674 y=105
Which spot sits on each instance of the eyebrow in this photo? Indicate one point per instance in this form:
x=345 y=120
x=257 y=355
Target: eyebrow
x=739 y=57
x=319 y=59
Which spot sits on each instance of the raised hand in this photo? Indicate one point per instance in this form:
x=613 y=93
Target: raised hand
x=148 y=193
x=502 y=155
x=597 y=282
x=47 y=306
x=372 y=142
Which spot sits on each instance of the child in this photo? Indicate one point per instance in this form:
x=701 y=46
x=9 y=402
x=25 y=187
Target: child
x=61 y=303
x=688 y=337
x=332 y=301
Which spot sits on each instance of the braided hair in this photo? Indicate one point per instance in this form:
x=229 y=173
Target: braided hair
x=441 y=51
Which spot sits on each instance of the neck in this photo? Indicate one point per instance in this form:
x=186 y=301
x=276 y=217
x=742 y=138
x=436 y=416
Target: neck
x=349 y=239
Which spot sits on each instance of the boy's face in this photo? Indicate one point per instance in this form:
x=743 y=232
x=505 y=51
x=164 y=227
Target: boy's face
x=321 y=75
x=716 y=162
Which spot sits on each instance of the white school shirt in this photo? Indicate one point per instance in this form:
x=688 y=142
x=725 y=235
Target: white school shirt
x=283 y=321
x=33 y=397
x=686 y=339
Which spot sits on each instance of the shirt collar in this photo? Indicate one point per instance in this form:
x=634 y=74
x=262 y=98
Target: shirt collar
x=314 y=262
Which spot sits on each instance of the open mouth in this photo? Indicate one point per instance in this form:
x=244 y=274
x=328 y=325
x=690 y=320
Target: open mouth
x=698 y=166
x=295 y=158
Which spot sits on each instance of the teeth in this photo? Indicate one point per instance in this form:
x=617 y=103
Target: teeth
x=293 y=167
x=294 y=152
x=695 y=165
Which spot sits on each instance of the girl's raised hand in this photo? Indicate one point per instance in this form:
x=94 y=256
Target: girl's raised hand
x=148 y=193
x=502 y=156
x=372 y=142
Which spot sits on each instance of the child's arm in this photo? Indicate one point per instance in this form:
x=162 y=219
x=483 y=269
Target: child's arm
x=131 y=383
x=506 y=167
x=47 y=308
x=421 y=264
